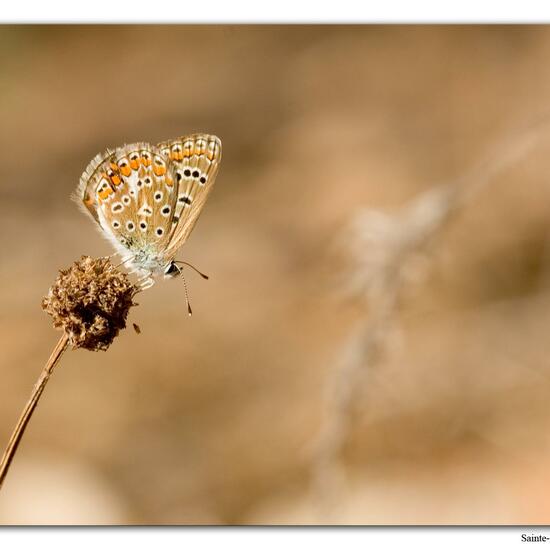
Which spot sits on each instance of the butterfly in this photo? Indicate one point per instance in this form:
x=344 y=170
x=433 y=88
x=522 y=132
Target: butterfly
x=147 y=198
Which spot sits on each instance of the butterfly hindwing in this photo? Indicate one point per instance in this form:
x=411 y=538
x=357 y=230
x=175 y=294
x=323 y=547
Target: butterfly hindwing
x=130 y=192
x=85 y=195
x=153 y=180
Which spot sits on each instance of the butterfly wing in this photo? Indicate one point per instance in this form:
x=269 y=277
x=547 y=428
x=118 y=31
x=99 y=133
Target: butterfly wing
x=131 y=193
x=85 y=195
x=196 y=160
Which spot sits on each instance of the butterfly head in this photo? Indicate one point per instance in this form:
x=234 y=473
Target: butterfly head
x=171 y=271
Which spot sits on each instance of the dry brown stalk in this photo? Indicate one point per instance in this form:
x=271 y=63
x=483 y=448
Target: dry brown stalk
x=90 y=302
x=19 y=429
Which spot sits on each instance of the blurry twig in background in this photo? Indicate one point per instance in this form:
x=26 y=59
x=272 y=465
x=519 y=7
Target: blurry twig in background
x=386 y=252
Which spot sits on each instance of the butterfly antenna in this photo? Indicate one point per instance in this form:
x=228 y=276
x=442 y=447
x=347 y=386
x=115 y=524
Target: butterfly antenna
x=194 y=268
x=189 y=310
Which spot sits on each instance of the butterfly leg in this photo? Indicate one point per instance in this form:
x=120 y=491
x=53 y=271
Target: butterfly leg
x=146 y=282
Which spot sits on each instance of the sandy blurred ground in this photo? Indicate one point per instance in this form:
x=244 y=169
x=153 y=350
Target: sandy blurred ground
x=211 y=419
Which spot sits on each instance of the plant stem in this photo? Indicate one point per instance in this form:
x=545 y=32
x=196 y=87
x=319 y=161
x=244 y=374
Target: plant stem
x=19 y=430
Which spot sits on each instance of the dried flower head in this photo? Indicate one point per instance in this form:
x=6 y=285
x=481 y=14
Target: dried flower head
x=90 y=302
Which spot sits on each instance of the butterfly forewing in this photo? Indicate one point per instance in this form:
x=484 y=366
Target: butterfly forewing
x=196 y=160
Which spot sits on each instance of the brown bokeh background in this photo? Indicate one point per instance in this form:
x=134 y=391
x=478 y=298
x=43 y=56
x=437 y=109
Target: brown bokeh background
x=212 y=419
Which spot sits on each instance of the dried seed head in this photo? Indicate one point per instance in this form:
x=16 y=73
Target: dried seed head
x=90 y=302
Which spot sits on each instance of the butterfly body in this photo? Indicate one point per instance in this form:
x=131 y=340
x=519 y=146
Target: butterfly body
x=146 y=199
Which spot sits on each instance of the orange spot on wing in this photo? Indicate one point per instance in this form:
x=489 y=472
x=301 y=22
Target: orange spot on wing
x=188 y=149
x=114 y=177
x=176 y=152
x=125 y=170
x=105 y=193
x=159 y=170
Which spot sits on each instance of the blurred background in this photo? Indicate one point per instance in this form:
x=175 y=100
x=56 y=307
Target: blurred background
x=215 y=419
